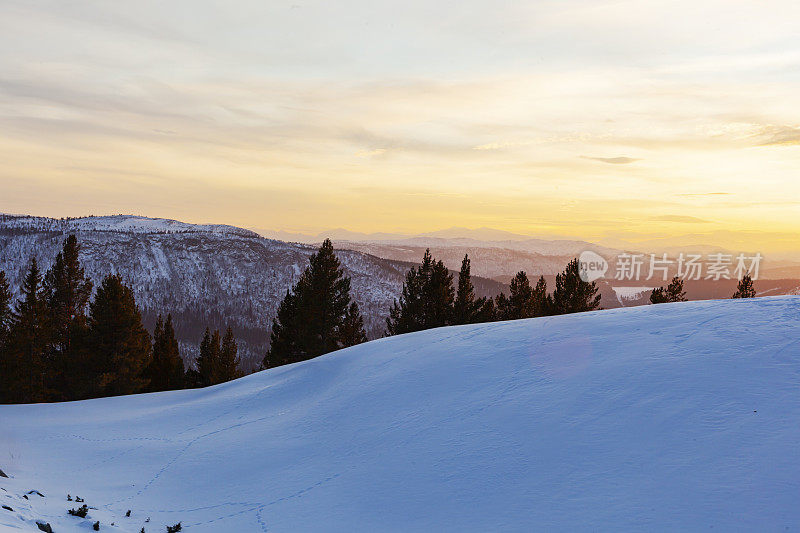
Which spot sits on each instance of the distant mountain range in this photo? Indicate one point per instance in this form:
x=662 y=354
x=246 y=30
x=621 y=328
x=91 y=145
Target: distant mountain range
x=500 y=254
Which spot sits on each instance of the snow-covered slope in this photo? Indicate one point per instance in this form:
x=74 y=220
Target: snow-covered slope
x=669 y=417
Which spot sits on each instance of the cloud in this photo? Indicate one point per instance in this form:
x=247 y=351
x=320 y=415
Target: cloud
x=780 y=135
x=613 y=160
x=701 y=194
x=679 y=218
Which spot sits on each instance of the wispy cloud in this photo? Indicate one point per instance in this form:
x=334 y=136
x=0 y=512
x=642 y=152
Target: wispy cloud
x=685 y=219
x=702 y=194
x=613 y=160
x=780 y=135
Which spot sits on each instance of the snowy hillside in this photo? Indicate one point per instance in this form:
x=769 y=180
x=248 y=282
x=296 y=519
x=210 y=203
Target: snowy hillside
x=669 y=417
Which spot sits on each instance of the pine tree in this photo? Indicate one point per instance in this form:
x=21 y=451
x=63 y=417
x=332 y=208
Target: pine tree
x=671 y=293
x=572 y=294
x=658 y=296
x=119 y=346
x=520 y=298
x=27 y=341
x=541 y=302
x=228 y=364
x=165 y=371
x=745 y=289
x=285 y=341
x=439 y=296
x=406 y=314
x=208 y=362
x=501 y=307
x=674 y=291
x=464 y=305
x=310 y=318
x=523 y=301
x=466 y=308
x=68 y=290
x=426 y=300
x=352 y=329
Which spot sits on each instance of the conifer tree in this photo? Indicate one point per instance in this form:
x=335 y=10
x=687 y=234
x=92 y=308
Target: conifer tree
x=68 y=290
x=745 y=289
x=426 y=300
x=572 y=294
x=208 y=361
x=439 y=296
x=165 y=370
x=466 y=308
x=541 y=302
x=406 y=314
x=658 y=296
x=285 y=338
x=674 y=291
x=520 y=298
x=523 y=301
x=352 y=329
x=27 y=341
x=119 y=345
x=228 y=365
x=501 y=307
x=464 y=305
x=310 y=318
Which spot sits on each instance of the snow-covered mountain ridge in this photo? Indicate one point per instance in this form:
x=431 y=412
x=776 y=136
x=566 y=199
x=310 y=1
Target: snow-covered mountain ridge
x=205 y=275
x=676 y=417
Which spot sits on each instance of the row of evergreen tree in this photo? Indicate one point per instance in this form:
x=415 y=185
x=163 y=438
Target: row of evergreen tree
x=57 y=345
x=318 y=316
x=674 y=292
x=429 y=298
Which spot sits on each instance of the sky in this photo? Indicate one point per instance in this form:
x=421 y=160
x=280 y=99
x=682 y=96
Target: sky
x=600 y=120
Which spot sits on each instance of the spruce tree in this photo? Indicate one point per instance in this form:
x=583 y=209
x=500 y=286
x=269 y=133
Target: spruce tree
x=310 y=318
x=165 y=371
x=352 y=329
x=27 y=342
x=745 y=289
x=68 y=290
x=228 y=365
x=119 y=345
x=572 y=294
